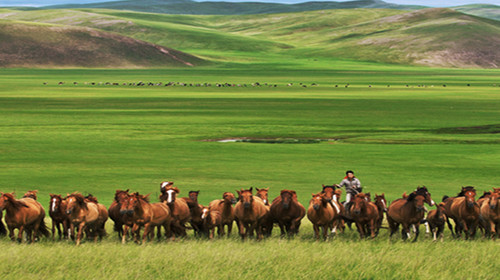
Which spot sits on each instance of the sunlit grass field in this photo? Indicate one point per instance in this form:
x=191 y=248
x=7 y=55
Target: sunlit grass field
x=397 y=127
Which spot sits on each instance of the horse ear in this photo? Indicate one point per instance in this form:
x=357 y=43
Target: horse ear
x=267 y=189
x=238 y=192
x=176 y=190
x=257 y=189
x=251 y=188
x=313 y=194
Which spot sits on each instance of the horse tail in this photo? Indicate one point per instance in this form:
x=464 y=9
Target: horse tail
x=445 y=197
x=43 y=229
x=3 y=230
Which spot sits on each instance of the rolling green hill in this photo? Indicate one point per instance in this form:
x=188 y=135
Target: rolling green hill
x=230 y=8
x=481 y=10
x=47 y=45
x=430 y=37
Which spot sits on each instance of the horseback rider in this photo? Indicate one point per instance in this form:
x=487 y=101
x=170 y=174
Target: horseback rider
x=352 y=187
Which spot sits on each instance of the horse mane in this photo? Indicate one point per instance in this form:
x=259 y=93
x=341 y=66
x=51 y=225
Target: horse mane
x=190 y=192
x=91 y=198
x=485 y=194
x=119 y=192
x=80 y=199
x=142 y=197
x=31 y=194
x=15 y=203
x=333 y=187
x=445 y=197
x=466 y=189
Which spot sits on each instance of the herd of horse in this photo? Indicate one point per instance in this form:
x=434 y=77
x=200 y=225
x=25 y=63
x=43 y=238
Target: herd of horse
x=75 y=216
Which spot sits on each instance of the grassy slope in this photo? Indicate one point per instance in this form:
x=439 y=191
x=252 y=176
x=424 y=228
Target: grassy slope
x=436 y=37
x=100 y=138
x=29 y=44
x=486 y=11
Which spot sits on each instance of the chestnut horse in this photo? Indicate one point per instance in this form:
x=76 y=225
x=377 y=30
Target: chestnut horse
x=212 y=219
x=143 y=213
x=407 y=212
x=86 y=216
x=321 y=214
x=365 y=215
x=31 y=194
x=225 y=208
x=464 y=210
x=436 y=219
x=57 y=212
x=179 y=210
x=381 y=204
x=288 y=212
x=24 y=214
x=119 y=218
x=333 y=194
x=249 y=212
x=267 y=221
x=490 y=215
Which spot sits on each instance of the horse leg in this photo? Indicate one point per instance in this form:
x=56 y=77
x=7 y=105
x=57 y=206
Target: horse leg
x=20 y=234
x=450 y=226
x=361 y=230
x=80 y=233
x=405 y=231
x=241 y=229
x=417 y=232
x=373 y=226
x=125 y=233
x=136 y=231
x=282 y=229
x=147 y=229
x=229 y=228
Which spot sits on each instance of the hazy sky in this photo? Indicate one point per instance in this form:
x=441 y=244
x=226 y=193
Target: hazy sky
x=431 y=3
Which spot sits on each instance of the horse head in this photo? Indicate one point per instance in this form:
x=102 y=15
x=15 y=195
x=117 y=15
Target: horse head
x=75 y=200
x=470 y=194
x=193 y=195
x=164 y=185
x=171 y=193
x=381 y=202
x=494 y=200
x=31 y=194
x=205 y=213
x=246 y=197
x=418 y=199
x=359 y=203
x=55 y=202
x=263 y=194
x=121 y=196
x=319 y=200
x=427 y=195
x=229 y=197
x=286 y=198
x=329 y=191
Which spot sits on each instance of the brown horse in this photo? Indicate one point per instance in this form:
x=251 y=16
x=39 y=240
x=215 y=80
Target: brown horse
x=31 y=194
x=490 y=215
x=249 y=212
x=267 y=221
x=224 y=206
x=464 y=210
x=119 y=218
x=408 y=212
x=212 y=219
x=195 y=209
x=381 y=204
x=25 y=214
x=333 y=194
x=365 y=215
x=321 y=214
x=179 y=210
x=57 y=212
x=436 y=220
x=288 y=212
x=89 y=217
x=145 y=214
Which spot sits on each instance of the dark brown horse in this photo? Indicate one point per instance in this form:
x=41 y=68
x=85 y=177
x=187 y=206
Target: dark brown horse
x=119 y=218
x=408 y=212
x=464 y=210
x=365 y=215
x=224 y=206
x=249 y=212
x=195 y=209
x=25 y=214
x=490 y=215
x=145 y=214
x=436 y=220
x=288 y=212
x=57 y=212
x=89 y=217
x=179 y=210
x=267 y=221
x=321 y=214
x=381 y=204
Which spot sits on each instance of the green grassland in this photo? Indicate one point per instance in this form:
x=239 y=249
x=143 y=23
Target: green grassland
x=96 y=139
